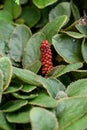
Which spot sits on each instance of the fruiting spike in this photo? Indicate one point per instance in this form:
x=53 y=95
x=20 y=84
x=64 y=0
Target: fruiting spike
x=46 y=57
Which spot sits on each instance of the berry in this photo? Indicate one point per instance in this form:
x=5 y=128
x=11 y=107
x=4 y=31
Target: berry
x=46 y=57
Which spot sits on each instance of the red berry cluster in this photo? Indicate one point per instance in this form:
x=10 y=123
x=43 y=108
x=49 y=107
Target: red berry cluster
x=46 y=57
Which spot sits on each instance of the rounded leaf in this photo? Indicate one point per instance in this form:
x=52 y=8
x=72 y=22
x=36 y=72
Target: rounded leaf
x=18 y=40
x=1 y=84
x=13 y=8
x=32 y=51
x=6 y=67
x=43 y=4
x=82 y=29
x=68 y=48
x=71 y=110
x=30 y=15
x=77 y=88
x=84 y=48
x=13 y=105
x=20 y=116
x=42 y=119
x=61 y=9
x=4 y=125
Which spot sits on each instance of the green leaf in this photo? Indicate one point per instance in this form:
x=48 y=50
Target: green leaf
x=32 y=51
x=84 y=48
x=81 y=124
x=44 y=100
x=20 y=116
x=2 y=46
x=17 y=1
x=23 y=1
x=5 y=30
x=4 y=125
x=5 y=16
x=51 y=28
x=24 y=96
x=71 y=110
x=42 y=119
x=1 y=84
x=78 y=74
x=42 y=4
x=63 y=69
x=13 y=88
x=13 y=105
x=68 y=48
x=6 y=67
x=28 y=88
x=35 y=66
x=54 y=86
x=32 y=79
x=82 y=29
x=26 y=76
x=61 y=9
x=31 y=15
x=75 y=11
x=74 y=34
x=77 y=88
x=13 y=8
x=18 y=40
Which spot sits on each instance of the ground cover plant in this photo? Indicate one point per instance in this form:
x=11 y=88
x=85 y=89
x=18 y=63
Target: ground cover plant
x=43 y=65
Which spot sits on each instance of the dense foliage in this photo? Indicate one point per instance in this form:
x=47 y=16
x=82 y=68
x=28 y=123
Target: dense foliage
x=29 y=100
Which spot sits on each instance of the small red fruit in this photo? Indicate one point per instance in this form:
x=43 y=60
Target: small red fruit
x=46 y=57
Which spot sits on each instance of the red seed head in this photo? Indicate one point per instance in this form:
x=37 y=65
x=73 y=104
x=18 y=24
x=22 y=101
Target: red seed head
x=46 y=57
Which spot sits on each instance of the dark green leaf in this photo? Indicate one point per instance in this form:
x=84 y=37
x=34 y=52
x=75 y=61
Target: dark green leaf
x=13 y=105
x=4 y=125
x=28 y=88
x=13 y=88
x=78 y=74
x=84 y=50
x=61 y=9
x=5 y=16
x=75 y=11
x=68 y=48
x=13 y=8
x=31 y=15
